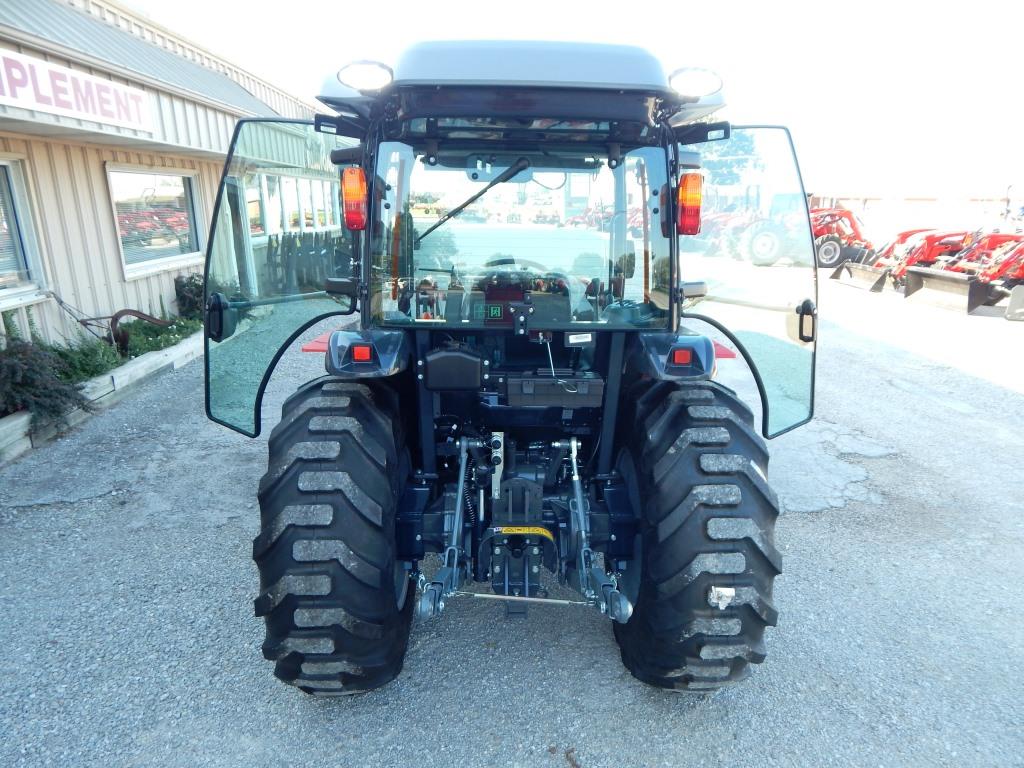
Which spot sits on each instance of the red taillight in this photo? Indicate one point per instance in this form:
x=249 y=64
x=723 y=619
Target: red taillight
x=682 y=356
x=353 y=197
x=362 y=353
x=689 y=204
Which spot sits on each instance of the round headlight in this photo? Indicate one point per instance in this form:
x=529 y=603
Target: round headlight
x=365 y=75
x=695 y=83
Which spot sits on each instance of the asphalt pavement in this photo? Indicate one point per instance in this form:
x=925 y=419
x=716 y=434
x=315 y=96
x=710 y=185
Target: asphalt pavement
x=127 y=635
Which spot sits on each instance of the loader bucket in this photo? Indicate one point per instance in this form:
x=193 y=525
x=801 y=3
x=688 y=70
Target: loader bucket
x=862 y=276
x=1015 y=311
x=945 y=288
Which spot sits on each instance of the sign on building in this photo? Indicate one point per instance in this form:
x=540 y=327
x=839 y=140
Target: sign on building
x=31 y=83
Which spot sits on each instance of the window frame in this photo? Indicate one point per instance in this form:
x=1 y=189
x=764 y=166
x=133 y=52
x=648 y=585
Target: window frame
x=29 y=291
x=164 y=263
x=331 y=208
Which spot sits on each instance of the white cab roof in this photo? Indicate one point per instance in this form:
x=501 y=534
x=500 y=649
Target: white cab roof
x=548 y=64
x=532 y=64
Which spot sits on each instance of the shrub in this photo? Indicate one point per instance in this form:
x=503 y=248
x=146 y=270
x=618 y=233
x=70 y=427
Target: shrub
x=85 y=358
x=31 y=379
x=189 y=291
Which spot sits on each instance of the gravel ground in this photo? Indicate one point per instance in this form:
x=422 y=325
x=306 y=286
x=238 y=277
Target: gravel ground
x=127 y=634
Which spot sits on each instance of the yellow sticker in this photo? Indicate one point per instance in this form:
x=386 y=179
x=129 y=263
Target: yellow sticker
x=524 y=530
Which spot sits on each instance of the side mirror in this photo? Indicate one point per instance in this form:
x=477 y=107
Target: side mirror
x=339 y=125
x=347 y=155
x=699 y=133
x=694 y=290
x=221 y=317
x=337 y=287
x=342 y=286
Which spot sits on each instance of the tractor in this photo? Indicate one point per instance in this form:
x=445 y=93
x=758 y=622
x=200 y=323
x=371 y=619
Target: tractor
x=522 y=413
x=838 y=237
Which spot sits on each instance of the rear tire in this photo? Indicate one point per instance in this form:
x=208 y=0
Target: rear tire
x=337 y=604
x=763 y=243
x=707 y=560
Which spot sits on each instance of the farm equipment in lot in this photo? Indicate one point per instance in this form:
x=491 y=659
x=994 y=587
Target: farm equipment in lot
x=871 y=270
x=918 y=247
x=986 y=284
x=979 y=252
x=838 y=237
x=519 y=404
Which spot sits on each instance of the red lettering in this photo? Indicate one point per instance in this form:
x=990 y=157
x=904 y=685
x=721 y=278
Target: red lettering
x=85 y=96
x=14 y=84
x=121 y=101
x=41 y=98
x=59 y=87
x=104 y=101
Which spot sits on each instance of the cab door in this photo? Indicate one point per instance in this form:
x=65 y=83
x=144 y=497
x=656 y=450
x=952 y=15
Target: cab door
x=755 y=254
x=276 y=236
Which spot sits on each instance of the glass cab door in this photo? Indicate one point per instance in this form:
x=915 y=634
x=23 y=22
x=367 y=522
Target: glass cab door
x=756 y=256
x=277 y=235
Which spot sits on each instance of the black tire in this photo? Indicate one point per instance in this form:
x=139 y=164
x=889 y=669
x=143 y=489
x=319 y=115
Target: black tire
x=763 y=243
x=696 y=473
x=337 y=605
x=828 y=250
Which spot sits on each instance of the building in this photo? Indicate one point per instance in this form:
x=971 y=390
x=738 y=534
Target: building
x=113 y=134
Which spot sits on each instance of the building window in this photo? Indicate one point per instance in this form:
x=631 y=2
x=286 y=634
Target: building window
x=254 y=206
x=155 y=215
x=318 y=204
x=306 y=199
x=292 y=212
x=13 y=263
x=272 y=197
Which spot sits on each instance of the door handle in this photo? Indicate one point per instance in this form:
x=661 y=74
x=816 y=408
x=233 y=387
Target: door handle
x=807 y=326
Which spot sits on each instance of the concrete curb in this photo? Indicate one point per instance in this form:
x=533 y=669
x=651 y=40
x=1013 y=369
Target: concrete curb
x=103 y=392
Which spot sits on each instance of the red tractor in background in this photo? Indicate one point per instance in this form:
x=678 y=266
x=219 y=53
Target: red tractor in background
x=838 y=237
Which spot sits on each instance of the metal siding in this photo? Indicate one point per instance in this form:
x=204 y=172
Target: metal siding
x=120 y=46
x=71 y=212
x=172 y=123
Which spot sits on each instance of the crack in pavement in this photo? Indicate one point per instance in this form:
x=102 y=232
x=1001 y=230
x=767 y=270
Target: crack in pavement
x=823 y=468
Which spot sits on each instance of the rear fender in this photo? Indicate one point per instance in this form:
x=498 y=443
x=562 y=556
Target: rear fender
x=651 y=356
x=390 y=354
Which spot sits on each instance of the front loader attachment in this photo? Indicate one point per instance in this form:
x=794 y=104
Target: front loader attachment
x=862 y=276
x=948 y=289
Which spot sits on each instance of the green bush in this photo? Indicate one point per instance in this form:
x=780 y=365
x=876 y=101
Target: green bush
x=189 y=292
x=85 y=359
x=145 y=337
x=31 y=378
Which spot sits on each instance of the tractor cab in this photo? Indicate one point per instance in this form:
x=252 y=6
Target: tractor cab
x=441 y=196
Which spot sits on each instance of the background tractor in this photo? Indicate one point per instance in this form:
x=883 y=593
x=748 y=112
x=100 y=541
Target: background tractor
x=534 y=404
x=838 y=237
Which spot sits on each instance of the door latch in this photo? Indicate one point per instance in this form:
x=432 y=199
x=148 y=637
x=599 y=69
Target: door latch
x=808 y=321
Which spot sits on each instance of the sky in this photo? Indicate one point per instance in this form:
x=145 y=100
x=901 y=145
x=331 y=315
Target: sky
x=883 y=98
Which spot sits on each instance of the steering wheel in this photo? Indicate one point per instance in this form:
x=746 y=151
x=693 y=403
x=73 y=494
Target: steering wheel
x=626 y=310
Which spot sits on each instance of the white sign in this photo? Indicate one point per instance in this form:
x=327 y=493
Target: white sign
x=38 y=85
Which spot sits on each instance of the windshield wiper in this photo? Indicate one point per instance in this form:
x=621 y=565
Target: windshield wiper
x=519 y=165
